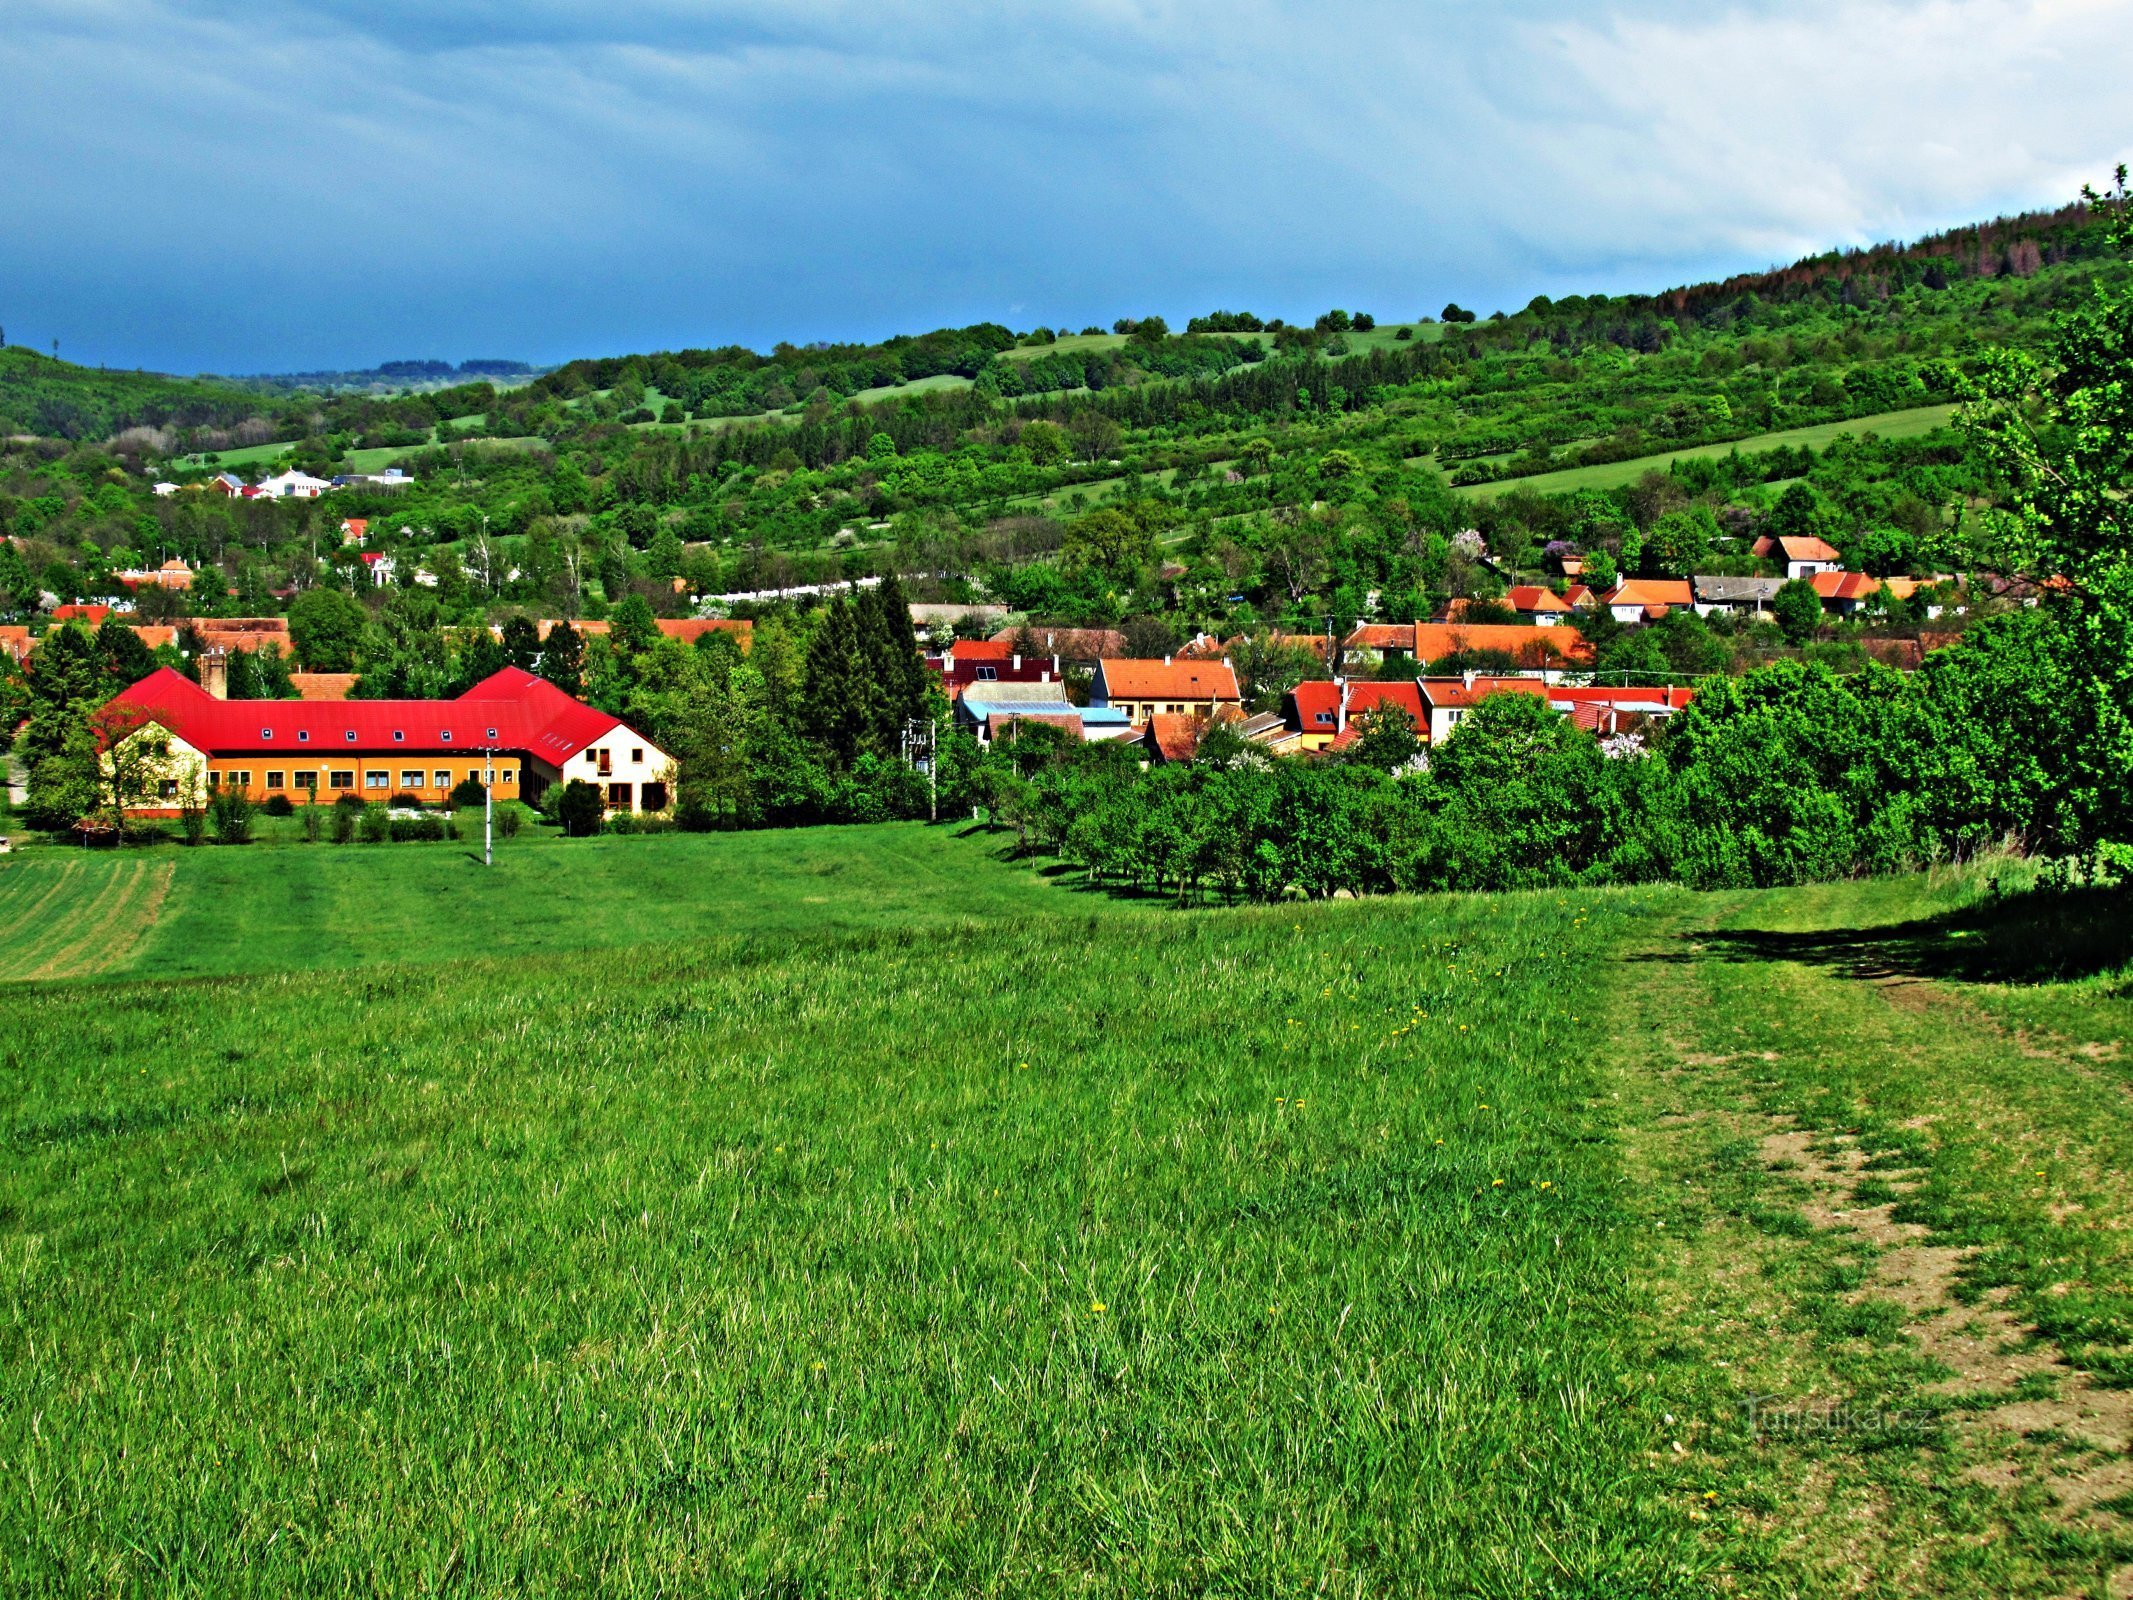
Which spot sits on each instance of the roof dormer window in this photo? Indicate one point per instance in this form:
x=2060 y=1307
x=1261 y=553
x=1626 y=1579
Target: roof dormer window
x=444 y=736
x=266 y=733
x=399 y=737
x=350 y=736
x=492 y=733
x=303 y=735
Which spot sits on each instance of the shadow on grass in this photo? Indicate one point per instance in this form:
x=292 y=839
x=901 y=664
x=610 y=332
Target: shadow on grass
x=2037 y=937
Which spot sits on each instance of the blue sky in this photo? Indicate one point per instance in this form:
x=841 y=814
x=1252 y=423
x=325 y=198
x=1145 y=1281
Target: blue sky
x=241 y=186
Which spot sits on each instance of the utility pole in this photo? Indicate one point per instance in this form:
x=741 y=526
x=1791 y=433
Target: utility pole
x=488 y=807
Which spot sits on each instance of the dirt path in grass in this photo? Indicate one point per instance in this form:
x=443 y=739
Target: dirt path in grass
x=1895 y=1232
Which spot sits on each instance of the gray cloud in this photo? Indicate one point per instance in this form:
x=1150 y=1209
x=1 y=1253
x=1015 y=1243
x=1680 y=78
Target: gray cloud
x=244 y=186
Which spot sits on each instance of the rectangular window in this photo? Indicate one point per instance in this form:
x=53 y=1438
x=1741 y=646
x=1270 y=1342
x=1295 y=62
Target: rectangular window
x=507 y=776
x=307 y=780
x=988 y=674
x=277 y=780
x=618 y=797
x=377 y=780
x=240 y=779
x=444 y=778
x=411 y=778
x=168 y=788
x=637 y=755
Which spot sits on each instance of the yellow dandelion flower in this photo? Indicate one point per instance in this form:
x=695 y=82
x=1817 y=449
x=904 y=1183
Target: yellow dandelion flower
x=1096 y=1306
x=1496 y=1183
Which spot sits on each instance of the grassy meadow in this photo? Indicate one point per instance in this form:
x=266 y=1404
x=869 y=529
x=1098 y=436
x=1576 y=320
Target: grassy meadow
x=171 y=912
x=965 y=1233
x=1909 y=424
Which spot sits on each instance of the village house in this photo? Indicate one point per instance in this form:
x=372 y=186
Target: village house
x=1319 y=713
x=1169 y=687
x=1740 y=597
x=1541 y=607
x=1647 y=599
x=1448 y=700
x=1803 y=556
x=292 y=485
x=974 y=661
x=522 y=730
x=172 y=574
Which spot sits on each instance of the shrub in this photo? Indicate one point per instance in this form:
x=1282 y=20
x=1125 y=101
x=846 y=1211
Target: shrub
x=407 y=802
x=229 y=813
x=426 y=830
x=580 y=808
x=312 y=822
x=468 y=791
x=278 y=805
x=510 y=818
x=375 y=825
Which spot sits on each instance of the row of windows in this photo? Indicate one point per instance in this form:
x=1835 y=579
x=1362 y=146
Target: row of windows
x=345 y=778
x=303 y=735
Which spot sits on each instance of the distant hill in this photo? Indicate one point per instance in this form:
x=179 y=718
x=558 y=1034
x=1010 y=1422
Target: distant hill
x=58 y=399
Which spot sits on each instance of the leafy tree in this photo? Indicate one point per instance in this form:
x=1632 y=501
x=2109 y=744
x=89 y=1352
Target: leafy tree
x=1678 y=545
x=522 y=644
x=1388 y=739
x=126 y=659
x=563 y=658
x=1110 y=542
x=2059 y=428
x=631 y=628
x=1797 y=610
x=326 y=626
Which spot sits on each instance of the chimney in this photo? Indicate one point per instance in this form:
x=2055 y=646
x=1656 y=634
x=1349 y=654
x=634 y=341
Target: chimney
x=215 y=673
x=1018 y=664
x=1166 y=661
x=1340 y=717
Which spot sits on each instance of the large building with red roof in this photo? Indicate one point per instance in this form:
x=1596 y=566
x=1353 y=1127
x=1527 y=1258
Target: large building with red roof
x=521 y=729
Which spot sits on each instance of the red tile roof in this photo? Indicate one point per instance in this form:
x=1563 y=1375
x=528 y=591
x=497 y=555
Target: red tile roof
x=1532 y=597
x=1432 y=641
x=1168 y=680
x=91 y=614
x=1844 y=585
x=510 y=710
x=1651 y=592
x=1457 y=694
x=1801 y=548
x=1317 y=701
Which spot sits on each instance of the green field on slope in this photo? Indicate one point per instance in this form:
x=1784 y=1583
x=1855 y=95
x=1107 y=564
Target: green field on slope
x=1400 y=1247
x=1613 y=474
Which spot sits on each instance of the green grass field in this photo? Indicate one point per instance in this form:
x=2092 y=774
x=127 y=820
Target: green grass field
x=1393 y=1247
x=172 y=912
x=239 y=459
x=1613 y=474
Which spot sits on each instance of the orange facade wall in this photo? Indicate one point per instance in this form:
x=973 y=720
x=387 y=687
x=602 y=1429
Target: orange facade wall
x=354 y=773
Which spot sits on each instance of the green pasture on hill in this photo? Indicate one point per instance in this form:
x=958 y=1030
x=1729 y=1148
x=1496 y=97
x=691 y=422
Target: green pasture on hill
x=1613 y=474
x=881 y=1245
